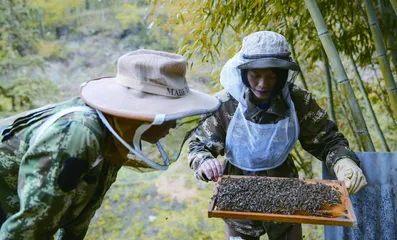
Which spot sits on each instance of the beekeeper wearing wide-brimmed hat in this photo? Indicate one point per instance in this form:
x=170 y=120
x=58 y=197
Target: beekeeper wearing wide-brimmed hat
x=263 y=115
x=58 y=161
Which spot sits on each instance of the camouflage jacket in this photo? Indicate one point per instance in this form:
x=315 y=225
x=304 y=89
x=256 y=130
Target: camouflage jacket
x=57 y=181
x=318 y=135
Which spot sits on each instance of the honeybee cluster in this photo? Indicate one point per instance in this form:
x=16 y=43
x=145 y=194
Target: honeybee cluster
x=281 y=196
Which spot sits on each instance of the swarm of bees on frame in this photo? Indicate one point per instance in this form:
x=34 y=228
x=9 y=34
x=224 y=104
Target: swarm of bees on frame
x=280 y=196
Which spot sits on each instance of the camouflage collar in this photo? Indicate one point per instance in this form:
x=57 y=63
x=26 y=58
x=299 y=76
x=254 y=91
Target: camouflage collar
x=277 y=106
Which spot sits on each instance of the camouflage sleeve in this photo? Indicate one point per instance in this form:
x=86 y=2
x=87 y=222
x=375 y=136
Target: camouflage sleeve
x=318 y=135
x=78 y=229
x=49 y=173
x=208 y=142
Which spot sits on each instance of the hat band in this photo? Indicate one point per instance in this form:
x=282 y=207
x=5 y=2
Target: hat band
x=152 y=88
x=257 y=56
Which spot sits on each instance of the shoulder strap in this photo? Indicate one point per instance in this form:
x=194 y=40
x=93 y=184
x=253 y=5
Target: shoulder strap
x=58 y=115
x=55 y=117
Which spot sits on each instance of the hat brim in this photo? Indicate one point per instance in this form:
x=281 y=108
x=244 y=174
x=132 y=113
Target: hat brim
x=269 y=63
x=109 y=97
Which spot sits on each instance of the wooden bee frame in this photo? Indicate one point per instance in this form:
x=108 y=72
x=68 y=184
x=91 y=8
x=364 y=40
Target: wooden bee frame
x=341 y=215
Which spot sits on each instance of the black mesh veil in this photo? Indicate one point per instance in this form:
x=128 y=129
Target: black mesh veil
x=168 y=149
x=144 y=156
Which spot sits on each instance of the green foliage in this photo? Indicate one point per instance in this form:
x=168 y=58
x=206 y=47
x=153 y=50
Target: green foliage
x=17 y=35
x=55 y=12
x=27 y=40
x=214 y=30
x=217 y=26
x=24 y=93
x=155 y=215
x=18 y=39
x=192 y=223
x=128 y=20
x=17 y=32
x=51 y=50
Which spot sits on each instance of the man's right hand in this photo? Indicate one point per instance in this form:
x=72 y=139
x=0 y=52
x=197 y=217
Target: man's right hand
x=211 y=169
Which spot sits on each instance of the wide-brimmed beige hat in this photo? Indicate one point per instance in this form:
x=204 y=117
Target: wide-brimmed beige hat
x=148 y=83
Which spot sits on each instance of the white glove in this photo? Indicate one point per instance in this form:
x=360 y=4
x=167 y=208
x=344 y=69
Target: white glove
x=347 y=170
x=211 y=169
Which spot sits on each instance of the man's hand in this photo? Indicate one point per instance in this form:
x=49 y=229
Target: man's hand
x=347 y=170
x=211 y=169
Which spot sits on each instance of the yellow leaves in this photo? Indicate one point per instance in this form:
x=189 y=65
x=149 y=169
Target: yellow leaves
x=48 y=49
x=253 y=6
x=56 y=11
x=179 y=16
x=129 y=15
x=107 y=207
x=101 y=222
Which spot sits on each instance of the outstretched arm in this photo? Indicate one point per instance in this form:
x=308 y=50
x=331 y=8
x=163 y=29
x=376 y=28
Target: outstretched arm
x=207 y=143
x=320 y=137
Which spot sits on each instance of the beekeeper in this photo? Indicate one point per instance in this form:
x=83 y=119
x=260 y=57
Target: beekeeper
x=57 y=162
x=263 y=115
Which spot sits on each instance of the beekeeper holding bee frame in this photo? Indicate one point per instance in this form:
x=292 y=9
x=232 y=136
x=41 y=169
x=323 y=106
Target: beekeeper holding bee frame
x=262 y=116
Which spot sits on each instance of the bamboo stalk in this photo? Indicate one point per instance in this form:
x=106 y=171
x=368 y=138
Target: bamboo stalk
x=382 y=57
x=300 y=73
x=350 y=124
x=392 y=43
x=384 y=98
x=394 y=4
x=362 y=12
x=369 y=106
x=293 y=56
x=343 y=80
x=330 y=99
x=388 y=15
x=391 y=40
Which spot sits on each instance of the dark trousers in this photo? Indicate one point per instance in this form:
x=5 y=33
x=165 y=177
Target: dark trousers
x=293 y=233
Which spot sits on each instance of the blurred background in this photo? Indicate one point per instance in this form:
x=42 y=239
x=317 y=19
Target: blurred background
x=49 y=47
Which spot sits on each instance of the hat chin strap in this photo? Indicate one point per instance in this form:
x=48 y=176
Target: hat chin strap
x=159 y=119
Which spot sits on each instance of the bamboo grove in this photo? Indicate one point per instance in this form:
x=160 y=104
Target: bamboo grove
x=341 y=41
x=347 y=50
